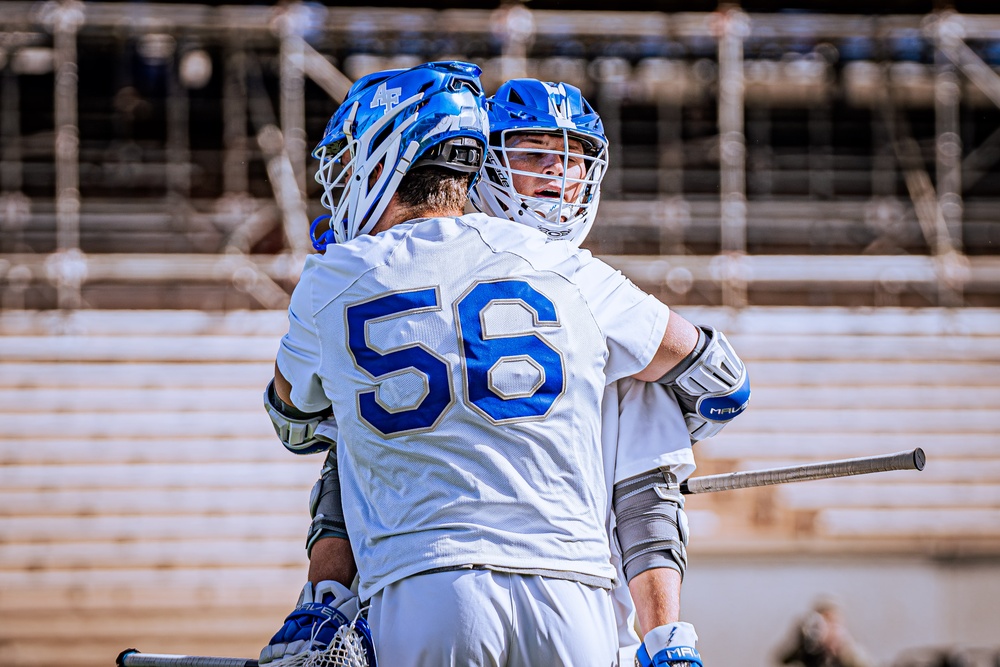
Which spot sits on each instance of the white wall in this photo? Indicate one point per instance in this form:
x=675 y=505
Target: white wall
x=744 y=609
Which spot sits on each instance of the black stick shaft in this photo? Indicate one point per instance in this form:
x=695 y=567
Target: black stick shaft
x=132 y=658
x=908 y=460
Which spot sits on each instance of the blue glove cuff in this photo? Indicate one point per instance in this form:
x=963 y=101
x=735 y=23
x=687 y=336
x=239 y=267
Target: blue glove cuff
x=676 y=655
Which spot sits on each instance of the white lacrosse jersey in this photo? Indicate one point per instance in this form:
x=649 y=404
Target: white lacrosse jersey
x=467 y=361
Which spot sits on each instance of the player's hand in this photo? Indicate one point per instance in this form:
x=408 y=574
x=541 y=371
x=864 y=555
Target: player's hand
x=313 y=623
x=671 y=645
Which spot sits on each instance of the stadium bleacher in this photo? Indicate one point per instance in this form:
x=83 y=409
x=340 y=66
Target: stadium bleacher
x=146 y=263
x=144 y=491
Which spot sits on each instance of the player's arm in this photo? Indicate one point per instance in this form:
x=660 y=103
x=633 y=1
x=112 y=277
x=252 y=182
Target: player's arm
x=679 y=340
x=327 y=595
x=327 y=544
x=282 y=387
x=657 y=597
x=702 y=369
x=697 y=363
x=652 y=534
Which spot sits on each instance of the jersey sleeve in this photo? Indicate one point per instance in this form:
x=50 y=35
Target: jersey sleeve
x=651 y=431
x=633 y=322
x=328 y=429
x=299 y=353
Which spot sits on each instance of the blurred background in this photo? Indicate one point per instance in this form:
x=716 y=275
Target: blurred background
x=821 y=181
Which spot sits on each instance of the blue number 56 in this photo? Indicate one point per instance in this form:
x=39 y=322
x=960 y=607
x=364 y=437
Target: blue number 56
x=485 y=356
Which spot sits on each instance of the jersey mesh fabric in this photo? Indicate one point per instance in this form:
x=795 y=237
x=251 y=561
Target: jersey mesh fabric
x=464 y=358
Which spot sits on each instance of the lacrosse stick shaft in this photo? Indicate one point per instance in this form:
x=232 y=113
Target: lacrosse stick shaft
x=132 y=658
x=908 y=460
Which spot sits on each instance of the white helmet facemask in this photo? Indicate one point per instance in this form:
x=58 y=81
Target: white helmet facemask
x=564 y=200
x=548 y=140
x=431 y=115
x=346 y=175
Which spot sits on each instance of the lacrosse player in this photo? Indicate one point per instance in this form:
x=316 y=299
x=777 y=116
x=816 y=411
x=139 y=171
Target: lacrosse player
x=544 y=167
x=465 y=362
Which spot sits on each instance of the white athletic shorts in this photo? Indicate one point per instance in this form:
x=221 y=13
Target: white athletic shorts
x=482 y=618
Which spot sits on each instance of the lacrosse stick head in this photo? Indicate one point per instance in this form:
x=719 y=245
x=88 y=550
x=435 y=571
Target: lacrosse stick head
x=327 y=628
x=351 y=646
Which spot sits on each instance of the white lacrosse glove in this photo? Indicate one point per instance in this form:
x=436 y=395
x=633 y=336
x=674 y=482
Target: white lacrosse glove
x=669 y=645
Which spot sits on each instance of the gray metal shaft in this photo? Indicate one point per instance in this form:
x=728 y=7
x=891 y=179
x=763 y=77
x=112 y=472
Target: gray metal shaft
x=132 y=658
x=907 y=460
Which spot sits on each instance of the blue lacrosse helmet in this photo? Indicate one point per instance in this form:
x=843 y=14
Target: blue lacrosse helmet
x=564 y=209
x=391 y=122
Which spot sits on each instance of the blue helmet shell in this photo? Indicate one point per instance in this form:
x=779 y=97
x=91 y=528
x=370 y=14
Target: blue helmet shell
x=394 y=121
x=533 y=105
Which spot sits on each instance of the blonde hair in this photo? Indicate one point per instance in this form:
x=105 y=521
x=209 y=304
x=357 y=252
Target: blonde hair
x=435 y=189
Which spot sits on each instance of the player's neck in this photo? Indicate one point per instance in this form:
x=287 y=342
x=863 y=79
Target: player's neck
x=397 y=213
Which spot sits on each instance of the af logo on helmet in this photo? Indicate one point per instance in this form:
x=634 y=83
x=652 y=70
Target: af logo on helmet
x=387 y=98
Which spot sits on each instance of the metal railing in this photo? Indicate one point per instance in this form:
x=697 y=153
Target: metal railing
x=275 y=59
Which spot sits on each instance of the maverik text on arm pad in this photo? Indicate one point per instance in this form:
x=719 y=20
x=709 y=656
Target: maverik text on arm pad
x=711 y=384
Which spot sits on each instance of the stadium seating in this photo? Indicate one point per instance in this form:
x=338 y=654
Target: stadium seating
x=832 y=383
x=146 y=499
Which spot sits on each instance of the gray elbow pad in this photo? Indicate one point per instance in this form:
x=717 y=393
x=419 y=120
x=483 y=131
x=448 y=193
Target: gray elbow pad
x=651 y=525
x=326 y=505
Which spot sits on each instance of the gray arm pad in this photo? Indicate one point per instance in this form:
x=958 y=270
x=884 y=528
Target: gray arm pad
x=295 y=429
x=325 y=505
x=651 y=524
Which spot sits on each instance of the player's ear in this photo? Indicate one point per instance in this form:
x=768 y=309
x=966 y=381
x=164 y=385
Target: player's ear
x=376 y=172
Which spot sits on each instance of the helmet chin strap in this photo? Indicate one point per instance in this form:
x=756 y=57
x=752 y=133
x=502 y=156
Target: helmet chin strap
x=552 y=211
